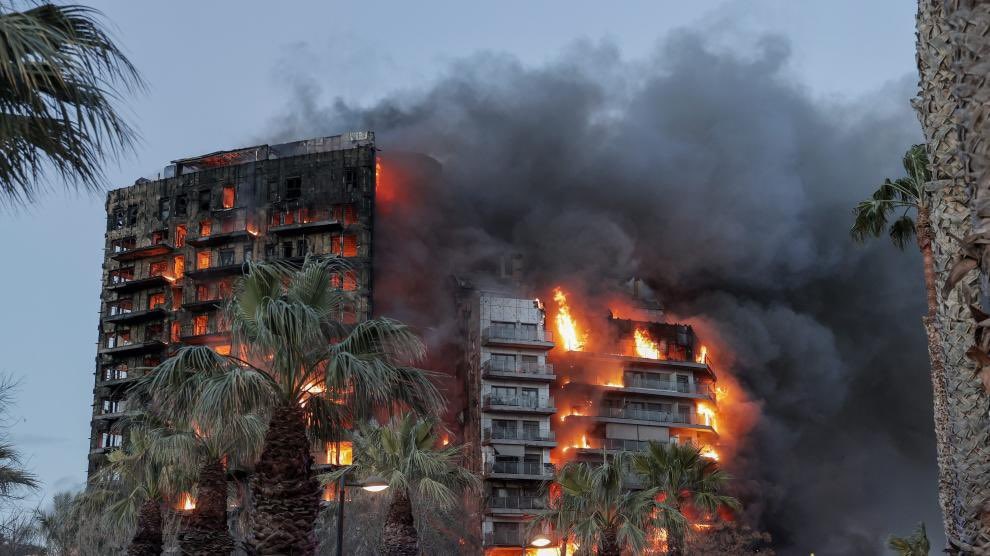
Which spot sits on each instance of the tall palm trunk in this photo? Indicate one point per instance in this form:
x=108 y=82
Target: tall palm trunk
x=949 y=330
x=204 y=530
x=286 y=495
x=608 y=544
x=968 y=22
x=147 y=539
x=399 y=537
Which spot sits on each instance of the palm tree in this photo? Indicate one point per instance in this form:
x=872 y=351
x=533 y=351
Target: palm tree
x=58 y=527
x=408 y=455
x=685 y=481
x=13 y=476
x=592 y=503
x=950 y=195
x=60 y=76
x=915 y=545
x=967 y=344
x=311 y=375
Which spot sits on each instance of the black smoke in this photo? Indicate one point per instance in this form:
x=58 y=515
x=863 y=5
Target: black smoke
x=729 y=188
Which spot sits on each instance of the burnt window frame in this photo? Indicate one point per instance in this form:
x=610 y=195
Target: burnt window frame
x=293 y=184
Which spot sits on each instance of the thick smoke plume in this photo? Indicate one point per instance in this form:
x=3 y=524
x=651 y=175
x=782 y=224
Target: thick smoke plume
x=729 y=189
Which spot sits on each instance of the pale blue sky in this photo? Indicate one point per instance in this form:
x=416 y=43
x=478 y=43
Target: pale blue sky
x=219 y=72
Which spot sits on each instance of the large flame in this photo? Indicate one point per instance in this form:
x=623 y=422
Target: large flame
x=566 y=327
x=645 y=346
x=340 y=453
x=703 y=355
x=707 y=414
x=709 y=452
x=186 y=502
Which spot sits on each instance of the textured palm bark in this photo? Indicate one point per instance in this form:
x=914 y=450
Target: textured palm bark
x=608 y=543
x=286 y=495
x=949 y=330
x=399 y=537
x=204 y=531
x=147 y=539
x=969 y=38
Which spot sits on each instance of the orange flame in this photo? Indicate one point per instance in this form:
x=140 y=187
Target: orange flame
x=186 y=502
x=709 y=452
x=702 y=355
x=645 y=346
x=566 y=327
x=340 y=453
x=707 y=414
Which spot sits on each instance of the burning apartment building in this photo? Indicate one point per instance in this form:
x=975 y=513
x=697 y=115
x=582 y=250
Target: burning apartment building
x=545 y=389
x=175 y=245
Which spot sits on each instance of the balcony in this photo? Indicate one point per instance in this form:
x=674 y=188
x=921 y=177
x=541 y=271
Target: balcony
x=208 y=334
x=520 y=470
x=661 y=385
x=491 y=369
x=301 y=221
x=116 y=377
x=215 y=271
x=517 y=337
x=136 y=253
x=674 y=420
x=124 y=285
x=527 y=437
x=125 y=316
x=523 y=404
x=200 y=305
x=122 y=346
x=516 y=504
x=111 y=413
x=234 y=226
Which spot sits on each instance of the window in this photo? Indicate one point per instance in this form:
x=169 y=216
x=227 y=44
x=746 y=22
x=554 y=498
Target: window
x=350 y=246
x=121 y=275
x=180 y=235
x=132 y=214
x=179 y=266
x=228 y=196
x=176 y=299
x=112 y=406
x=349 y=177
x=176 y=332
x=528 y=332
x=347 y=215
x=225 y=289
x=301 y=247
x=154 y=332
x=200 y=325
x=180 y=205
x=248 y=254
x=159 y=236
x=163 y=208
x=111 y=440
x=503 y=393
x=156 y=300
x=530 y=363
x=682 y=383
x=503 y=329
x=158 y=268
x=115 y=372
x=223 y=349
x=205 y=228
x=118 y=220
x=287 y=249
x=531 y=395
x=503 y=362
x=226 y=257
x=293 y=187
x=503 y=429
x=204 y=200
x=203 y=259
x=203 y=293
x=531 y=430
x=120 y=307
x=122 y=244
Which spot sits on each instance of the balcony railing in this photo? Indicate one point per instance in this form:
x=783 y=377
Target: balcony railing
x=504 y=538
x=667 y=386
x=520 y=434
x=646 y=415
x=491 y=366
x=191 y=330
x=619 y=444
x=517 y=334
x=517 y=502
x=532 y=469
x=522 y=402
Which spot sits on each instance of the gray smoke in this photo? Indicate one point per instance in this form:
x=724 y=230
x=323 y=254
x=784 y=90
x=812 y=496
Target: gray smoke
x=729 y=188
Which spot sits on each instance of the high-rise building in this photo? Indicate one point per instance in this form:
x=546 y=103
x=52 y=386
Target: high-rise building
x=175 y=245
x=534 y=404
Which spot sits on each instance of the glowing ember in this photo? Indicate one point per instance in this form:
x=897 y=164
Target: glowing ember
x=566 y=327
x=186 y=502
x=645 y=346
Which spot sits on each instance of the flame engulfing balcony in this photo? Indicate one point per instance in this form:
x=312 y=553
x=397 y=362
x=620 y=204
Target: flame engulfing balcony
x=143 y=252
x=204 y=331
x=234 y=225
x=303 y=220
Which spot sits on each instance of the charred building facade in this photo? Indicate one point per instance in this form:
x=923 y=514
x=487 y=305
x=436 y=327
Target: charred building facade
x=538 y=399
x=175 y=245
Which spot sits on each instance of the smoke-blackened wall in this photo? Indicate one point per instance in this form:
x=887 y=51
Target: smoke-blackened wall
x=729 y=188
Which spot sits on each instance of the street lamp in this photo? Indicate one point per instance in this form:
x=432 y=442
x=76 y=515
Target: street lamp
x=539 y=541
x=372 y=484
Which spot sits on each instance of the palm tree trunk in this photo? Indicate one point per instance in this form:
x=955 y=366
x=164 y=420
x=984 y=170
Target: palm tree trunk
x=950 y=331
x=286 y=495
x=399 y=537
x=147 y=539
x=968 y=22
x=204 y=530
x=608 y=544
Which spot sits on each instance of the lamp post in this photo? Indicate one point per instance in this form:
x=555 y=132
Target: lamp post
x=371 y=484
x=539 y=541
